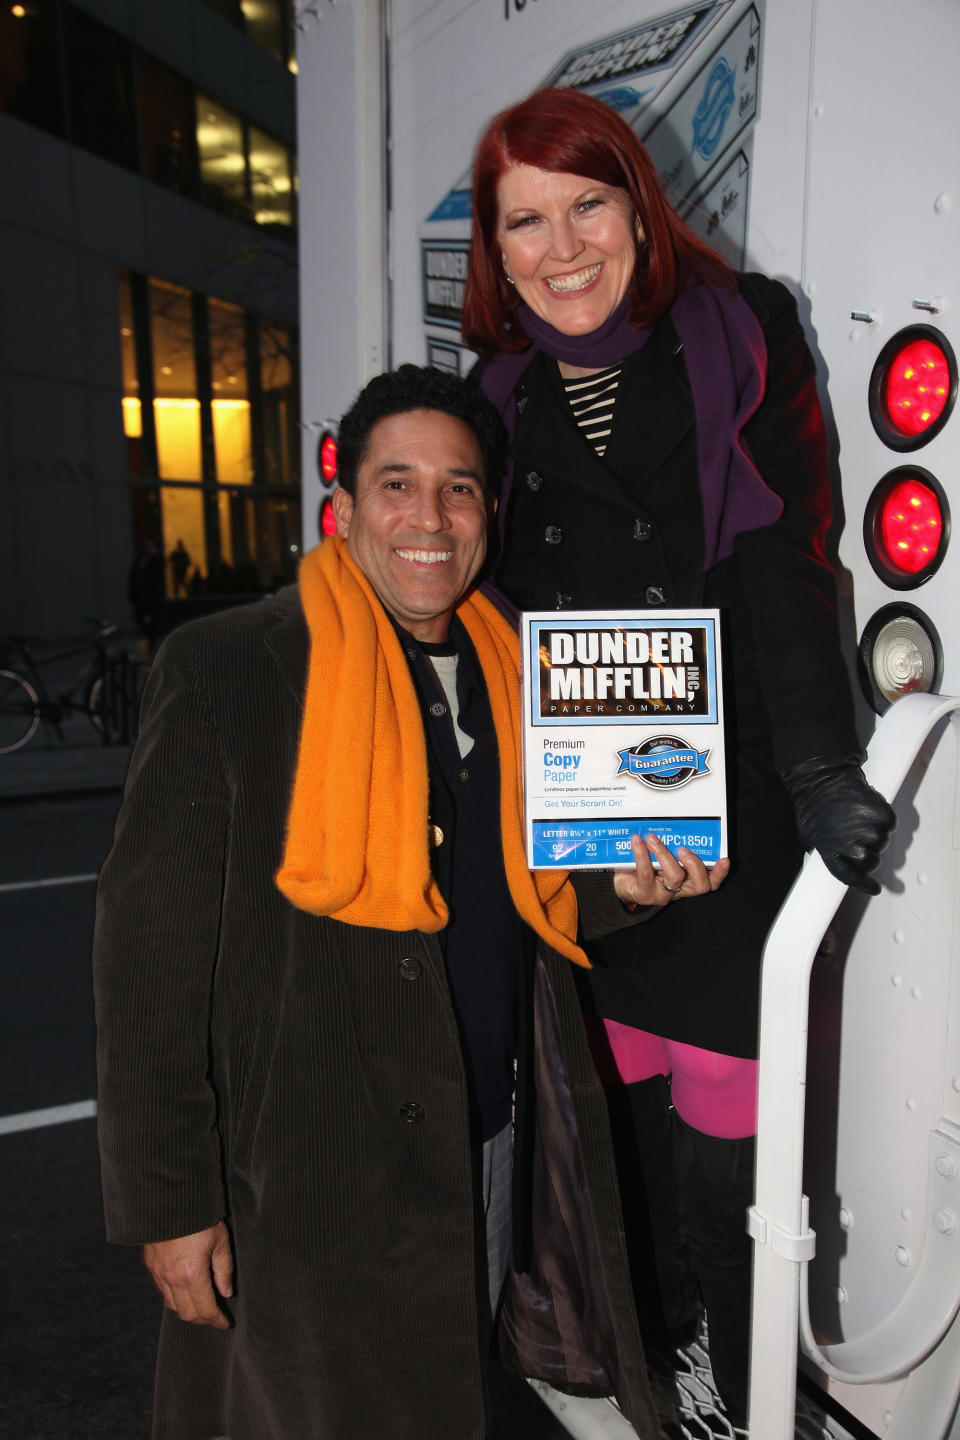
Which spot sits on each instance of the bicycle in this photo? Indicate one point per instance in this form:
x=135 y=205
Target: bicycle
x=105 y=689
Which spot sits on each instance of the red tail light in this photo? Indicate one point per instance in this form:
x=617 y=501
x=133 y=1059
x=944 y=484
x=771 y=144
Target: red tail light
x=328 y=521
x=327 y=457
x=906 y=527
x=913 y=387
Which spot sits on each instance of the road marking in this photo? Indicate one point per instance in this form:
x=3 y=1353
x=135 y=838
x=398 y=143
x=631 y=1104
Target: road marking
x=43 y=884
x=56 y=1115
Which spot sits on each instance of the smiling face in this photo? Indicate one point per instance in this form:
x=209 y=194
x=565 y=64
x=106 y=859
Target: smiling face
x=417 y=526
x=568 y=243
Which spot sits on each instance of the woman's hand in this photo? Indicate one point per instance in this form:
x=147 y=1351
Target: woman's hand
x=680 y=876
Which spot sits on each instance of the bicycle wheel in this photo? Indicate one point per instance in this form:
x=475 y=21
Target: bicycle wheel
x=19 y=711
x=102 y=713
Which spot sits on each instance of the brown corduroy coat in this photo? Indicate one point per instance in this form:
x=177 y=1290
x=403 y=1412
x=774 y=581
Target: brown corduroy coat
x=257 y=1063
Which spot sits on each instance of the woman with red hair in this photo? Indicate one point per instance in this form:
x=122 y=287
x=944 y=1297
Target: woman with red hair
x=668 y=449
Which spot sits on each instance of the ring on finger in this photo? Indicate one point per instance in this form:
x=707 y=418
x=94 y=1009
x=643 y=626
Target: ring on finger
x=673 y=889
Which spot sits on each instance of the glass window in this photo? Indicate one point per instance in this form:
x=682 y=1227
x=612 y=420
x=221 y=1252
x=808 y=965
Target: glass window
x=231 y=395
x=147 y=520
x=281 y=445
x=185 y=546
x=176 y=406
x=223 y=169
x=266 y=25
x=271 y=189
x=274 y=527
x=30 y=65
x=167 y=132
x=234 y=535
x=100 y=88
x=132 y=417
x=229 y=9
x=226 y=528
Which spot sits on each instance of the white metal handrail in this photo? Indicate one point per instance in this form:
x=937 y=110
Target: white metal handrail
x=779 y=1218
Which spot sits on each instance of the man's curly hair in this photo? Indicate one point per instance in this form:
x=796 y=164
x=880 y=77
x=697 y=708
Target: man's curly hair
x=420 y=387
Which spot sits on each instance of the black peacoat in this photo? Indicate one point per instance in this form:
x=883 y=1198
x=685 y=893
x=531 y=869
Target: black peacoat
x=627 y=531
x=303 y=1079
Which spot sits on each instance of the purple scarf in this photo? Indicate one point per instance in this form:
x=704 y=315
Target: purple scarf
x=726 y=357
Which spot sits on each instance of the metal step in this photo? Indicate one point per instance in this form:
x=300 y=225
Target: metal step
x=688 y=1405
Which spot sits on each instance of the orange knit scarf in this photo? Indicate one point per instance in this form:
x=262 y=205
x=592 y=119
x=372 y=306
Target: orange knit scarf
x=357 y=828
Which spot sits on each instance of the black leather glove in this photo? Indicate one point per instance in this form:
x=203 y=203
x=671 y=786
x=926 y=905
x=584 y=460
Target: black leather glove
x=841 y=816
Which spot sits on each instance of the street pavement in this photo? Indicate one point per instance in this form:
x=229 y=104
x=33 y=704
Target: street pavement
x=79 y=764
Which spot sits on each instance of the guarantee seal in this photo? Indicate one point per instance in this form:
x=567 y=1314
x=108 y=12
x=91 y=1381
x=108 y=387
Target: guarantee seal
x=663 y=762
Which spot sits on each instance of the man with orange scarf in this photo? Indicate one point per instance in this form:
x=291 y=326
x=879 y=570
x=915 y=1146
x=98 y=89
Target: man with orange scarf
x=345 y=1102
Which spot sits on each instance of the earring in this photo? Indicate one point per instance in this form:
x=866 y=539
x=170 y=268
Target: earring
x=510 y=280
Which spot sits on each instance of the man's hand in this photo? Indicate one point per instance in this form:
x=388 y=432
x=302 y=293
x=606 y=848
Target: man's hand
x=680 y=876
x=186 y=1270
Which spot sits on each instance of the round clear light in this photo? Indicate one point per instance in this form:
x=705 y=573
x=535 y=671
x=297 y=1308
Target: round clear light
x=903 y=658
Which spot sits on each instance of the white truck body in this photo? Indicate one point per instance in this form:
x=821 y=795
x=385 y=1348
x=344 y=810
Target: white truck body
x=828 y=158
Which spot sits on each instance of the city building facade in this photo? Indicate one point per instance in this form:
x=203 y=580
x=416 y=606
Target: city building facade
x=148 y=304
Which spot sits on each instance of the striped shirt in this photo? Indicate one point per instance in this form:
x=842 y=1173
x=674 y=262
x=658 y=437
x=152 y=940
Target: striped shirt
x=591 y=399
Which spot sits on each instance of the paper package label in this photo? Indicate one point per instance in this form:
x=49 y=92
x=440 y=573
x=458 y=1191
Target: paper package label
x=623 y=734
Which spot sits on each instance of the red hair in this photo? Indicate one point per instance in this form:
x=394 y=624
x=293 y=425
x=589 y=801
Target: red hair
x=571 y=133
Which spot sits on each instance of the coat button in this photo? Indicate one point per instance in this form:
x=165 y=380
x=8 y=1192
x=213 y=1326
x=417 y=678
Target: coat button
x=642 y=530
x=533 y=481
x=562 y=602
x=434 y=836
x=438 y=708
x=463 y=775
x=410 y=968
x=653 y=595
x=553 y=534
x=411 y=1112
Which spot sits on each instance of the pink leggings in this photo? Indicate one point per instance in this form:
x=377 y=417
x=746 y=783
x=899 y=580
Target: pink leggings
x=714 y=1093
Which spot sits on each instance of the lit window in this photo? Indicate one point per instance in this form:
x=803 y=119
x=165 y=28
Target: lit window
x=280 y=439
x=271 y=189
x=176 y=406
x=223 y=171
x=264 y=23
x=132 y=418
x=231 y=399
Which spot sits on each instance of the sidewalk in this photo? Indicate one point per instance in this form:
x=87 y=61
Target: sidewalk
x=48 y=768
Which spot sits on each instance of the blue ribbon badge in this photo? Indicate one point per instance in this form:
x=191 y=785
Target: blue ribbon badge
x=664 y=761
